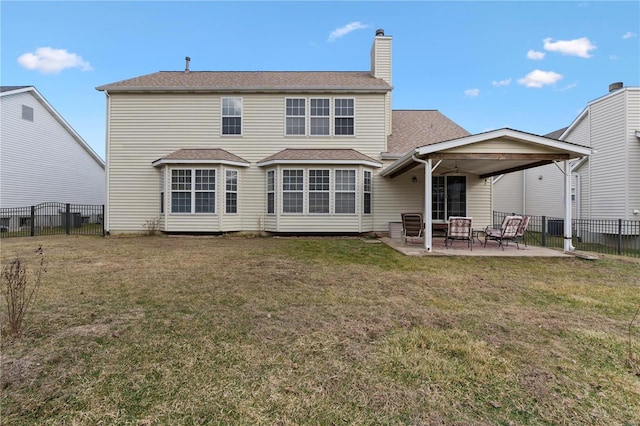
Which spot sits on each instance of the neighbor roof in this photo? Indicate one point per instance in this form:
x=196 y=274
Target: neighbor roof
x=319 y=156
x=10 y=88
x=215 y=155
x=251 y=81
x=414 y=128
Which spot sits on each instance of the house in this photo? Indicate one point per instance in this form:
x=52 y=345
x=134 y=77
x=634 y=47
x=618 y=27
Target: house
x=42 y=158
x=605 y=185
x=297 y=152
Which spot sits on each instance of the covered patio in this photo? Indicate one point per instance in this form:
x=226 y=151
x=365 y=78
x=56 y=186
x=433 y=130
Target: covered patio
x=478 y=158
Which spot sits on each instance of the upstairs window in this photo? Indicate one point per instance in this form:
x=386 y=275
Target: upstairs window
x=295 y=116
x=320 y=115
x=231 y=116
x=344 y=116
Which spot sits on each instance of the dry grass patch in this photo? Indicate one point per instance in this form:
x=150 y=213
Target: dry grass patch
x=160 y=330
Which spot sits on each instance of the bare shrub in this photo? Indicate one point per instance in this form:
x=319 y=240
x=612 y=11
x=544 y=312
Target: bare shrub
x=19 y=290
x=634 y=359
x=152 y=226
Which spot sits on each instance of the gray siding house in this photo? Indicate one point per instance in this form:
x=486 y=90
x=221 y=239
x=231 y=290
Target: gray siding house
x=42 y=159
x=297 y=152
x=604 y=186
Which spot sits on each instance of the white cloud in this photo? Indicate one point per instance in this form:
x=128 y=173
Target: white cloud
x=472 y=93
x=502 y=82
x=341 y=32
x=578 y=47
x=535 y=55
x=629 y=34
x=537 y=78
x=569 y=87
x=613 y=57
x=48 y=60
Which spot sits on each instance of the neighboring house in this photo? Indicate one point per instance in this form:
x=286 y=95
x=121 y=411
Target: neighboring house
x=42 y=159
x=297 y=152
x=605 y=185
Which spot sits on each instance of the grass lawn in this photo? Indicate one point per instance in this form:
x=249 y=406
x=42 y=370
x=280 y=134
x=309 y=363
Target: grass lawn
x=263 y=331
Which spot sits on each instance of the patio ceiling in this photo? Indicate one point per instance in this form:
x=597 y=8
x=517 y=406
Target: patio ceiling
x=488 y=154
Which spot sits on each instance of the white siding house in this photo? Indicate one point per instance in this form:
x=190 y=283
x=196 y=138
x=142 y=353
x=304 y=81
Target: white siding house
x=296 y=152
x=42 y=159
x=604 y=186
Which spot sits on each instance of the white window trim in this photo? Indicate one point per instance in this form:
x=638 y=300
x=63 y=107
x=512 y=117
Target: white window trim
x=354 y=192
x=303 y=190
x=309 y=191
x=304 y=116
x=227 y=191
x=193 y=192
x=274 y=192
x=334 y=116
x=222 y=116
x=370 y=192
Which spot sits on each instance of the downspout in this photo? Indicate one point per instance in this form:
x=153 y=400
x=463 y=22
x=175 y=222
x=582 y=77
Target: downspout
x=568 y=246
x=107 y=221
x=428 y=220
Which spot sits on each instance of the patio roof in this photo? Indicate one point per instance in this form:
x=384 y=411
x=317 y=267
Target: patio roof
x=489 y=154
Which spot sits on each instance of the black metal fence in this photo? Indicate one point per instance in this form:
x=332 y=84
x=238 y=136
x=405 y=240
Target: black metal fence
x=613 y=236
x=51 y=219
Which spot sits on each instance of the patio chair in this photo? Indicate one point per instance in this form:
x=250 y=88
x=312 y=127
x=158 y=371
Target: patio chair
x=459 y=229
x=412 y=226
x=522 y=229
x=507 y=231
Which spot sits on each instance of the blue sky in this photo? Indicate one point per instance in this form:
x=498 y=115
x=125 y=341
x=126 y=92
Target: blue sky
x=531 y=66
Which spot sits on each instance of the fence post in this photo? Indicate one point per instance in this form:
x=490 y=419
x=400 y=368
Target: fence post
x=544 y=231
x=103 y=233
x=67 y=221
x=33 y=221
x=619 y=237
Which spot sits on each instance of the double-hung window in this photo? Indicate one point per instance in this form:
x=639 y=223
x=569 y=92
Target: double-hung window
x=205 y=189
x=345 y=191
x=161 y=191
x=318 y=191
x=271 y=192
x=320 y=110
x=292 y=191
x=231 y=191
x=344 y=116
x=231 y=116
x=366 y=193
x=193 y=191
x=296 y=112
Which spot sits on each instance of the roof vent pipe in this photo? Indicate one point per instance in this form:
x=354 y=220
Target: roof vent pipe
x=186 y=67
x=615 y=86
x=379 y=32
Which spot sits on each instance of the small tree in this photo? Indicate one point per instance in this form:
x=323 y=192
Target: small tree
x=19 y=290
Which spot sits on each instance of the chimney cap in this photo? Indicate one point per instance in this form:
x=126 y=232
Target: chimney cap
x=615 y=86
x=379 y=32
x=186 y=68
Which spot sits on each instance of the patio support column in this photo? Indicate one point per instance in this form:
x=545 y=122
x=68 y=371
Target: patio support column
x=568 y=246
x=427 y=206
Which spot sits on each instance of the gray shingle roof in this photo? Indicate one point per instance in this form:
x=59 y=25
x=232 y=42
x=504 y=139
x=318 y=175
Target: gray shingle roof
x=251 y=81
x=556 y=133
x=215 y=154
x=414 y=128
x=9 y=88
x=344 y=155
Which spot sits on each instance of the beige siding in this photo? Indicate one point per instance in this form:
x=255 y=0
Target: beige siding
x=580 y=132
x=544 y=190
x=146 y=127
